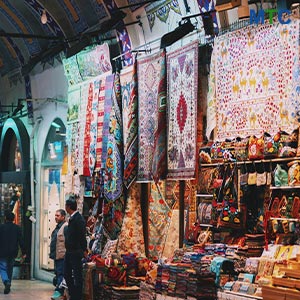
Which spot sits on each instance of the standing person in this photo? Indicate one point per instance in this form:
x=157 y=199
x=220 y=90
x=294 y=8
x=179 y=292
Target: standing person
x=58 y=250
x=10 y=240
x=76 y=244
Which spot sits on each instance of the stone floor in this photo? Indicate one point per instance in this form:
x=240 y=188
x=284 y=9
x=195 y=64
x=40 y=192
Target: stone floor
x=28 y=290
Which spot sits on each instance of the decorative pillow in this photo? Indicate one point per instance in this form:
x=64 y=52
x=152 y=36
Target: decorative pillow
x=109 y=249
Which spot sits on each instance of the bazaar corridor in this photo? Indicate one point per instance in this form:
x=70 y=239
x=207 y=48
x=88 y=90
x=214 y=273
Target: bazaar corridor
x=28 y=290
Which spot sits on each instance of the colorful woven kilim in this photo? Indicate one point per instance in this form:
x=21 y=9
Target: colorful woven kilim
x=148 y=70
x=131 y=238
x=182 y=112
x=114 y=204
x=109 y=85
x=94 y=126
x=128 y=81
x=101 y=97
x=81 y=128
x=159 y=219
x=87 y=131
x=254 y=81
x=172 y=234
x=159 y=163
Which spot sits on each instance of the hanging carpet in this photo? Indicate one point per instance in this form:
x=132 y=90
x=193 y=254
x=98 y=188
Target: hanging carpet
x=114 y=203
x=148 y=70
x=128 y=81
x=182 y=111
x=159 y=219
x=131 y=238
x=159 y=158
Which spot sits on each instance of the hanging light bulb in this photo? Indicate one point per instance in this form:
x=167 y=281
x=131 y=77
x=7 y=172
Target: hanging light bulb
x=44 y=18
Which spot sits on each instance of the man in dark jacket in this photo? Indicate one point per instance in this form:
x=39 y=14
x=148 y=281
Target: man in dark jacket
x=58 y=250
x=76 y=244
x=10 y=240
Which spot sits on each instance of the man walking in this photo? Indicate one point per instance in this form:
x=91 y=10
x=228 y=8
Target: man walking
x=58 y=250
x=10 y=240
x=76 y=244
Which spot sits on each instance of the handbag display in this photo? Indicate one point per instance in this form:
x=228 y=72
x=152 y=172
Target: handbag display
x=280 y=176
x=294 y=173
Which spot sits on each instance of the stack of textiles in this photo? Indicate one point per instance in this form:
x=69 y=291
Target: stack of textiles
x=206 y=287
x=181 y=282
x=254 y=245
x=165 y=276
x=132 y=280
x=104 y=292
x=172 y=279
x=125 y=293
x=192 y=283
x=147 y=291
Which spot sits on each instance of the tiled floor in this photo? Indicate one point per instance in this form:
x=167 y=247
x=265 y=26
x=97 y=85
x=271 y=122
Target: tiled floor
x=28 y=290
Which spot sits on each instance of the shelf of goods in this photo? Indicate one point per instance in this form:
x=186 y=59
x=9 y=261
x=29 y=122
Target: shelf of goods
x=228 y=295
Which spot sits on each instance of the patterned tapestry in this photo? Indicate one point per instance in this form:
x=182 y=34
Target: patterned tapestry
x=161 y=10
x=73 y=103
x=128 y=81
x=254 y=81
x=131 y=238
x=109 y=86
x=87 y=130
x=87 y=64
x=101 y=97
x=81 y=128
x=182 y=111
x=114 y=203
x=94 y=126
x=94 y=62
x=71 y=70
x=148 y=70
x=159 y=163
x=172 y=235
x=159 y=219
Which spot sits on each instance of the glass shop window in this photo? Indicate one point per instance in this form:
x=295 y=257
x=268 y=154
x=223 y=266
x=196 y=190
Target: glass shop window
x=54 y=148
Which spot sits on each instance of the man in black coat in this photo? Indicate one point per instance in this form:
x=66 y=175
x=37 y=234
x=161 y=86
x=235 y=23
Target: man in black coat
x=10 y=240
x=76 y=244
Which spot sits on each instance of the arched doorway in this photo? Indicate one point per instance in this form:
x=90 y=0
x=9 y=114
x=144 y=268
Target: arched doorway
x=15 y=175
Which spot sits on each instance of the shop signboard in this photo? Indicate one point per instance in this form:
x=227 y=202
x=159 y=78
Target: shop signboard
x=259 y=18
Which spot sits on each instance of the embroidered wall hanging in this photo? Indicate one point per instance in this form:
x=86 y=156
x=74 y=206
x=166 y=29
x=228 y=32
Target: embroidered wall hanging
x=81 y=128
x=131 y=238
x=128 y=81
x=159 y=219
x=113 y=206
x=254 y=81
x=148 y=70
x=101 y=97
x=182 y=111
x=161 y=10
x=94 y=62
x=87 y=64
x=159 y=163
x=73 y=103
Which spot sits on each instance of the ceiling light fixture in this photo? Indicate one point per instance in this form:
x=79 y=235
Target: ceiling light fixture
x=44 y=18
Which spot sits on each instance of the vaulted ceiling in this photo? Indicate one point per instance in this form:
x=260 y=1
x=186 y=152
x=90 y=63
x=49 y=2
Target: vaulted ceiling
x=25 y=41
